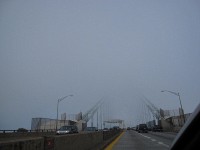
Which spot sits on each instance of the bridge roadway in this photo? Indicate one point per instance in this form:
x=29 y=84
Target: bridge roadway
x=132 y=140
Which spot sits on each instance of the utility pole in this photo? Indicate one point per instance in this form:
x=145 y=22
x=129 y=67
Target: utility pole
x=177 y=94
x=59 y=100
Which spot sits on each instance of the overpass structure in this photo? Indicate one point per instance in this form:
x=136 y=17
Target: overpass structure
x=115 y=121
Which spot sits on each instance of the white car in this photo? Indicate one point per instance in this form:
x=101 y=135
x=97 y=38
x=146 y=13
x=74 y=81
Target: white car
x=67 y=129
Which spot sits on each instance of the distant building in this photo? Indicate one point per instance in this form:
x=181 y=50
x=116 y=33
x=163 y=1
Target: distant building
x=174 y=123
x=50 y=124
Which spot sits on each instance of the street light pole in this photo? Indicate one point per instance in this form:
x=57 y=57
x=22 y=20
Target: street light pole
x=177 y=94
x=59 y=100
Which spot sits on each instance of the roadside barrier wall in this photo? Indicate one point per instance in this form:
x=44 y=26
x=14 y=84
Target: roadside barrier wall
x=36 y=143
x=20 y=135
x=81 y=141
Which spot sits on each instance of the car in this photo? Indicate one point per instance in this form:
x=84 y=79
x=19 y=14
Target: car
x=22 y=130
x=91 y=129
x=67 y=129
x=157 y=128
x=136 y=128
x=133 y=128
x=142 y=128
x=115 y=128
x=105 y=129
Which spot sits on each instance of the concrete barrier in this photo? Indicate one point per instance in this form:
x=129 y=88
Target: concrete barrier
x=108 y=137
x=23 y=144
x=18 y=135
x=81 y=141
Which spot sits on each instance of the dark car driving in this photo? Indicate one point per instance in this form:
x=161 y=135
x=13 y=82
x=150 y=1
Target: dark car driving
x=157 y=128
x=142 y=128
x=91 y=129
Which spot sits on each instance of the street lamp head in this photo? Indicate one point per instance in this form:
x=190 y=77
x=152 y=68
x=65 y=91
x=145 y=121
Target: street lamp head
x=57 y=107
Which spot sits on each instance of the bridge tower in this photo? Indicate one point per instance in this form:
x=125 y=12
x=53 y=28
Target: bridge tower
x=89 y=115
x=153 y=109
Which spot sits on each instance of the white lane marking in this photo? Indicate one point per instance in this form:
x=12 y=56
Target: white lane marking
x=161 y=143
x=144 y=136
x=153 y=140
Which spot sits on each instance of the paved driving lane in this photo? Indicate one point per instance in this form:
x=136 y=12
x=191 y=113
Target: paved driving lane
x=131 y=140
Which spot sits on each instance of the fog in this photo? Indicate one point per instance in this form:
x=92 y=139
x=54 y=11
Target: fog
x=116 y=50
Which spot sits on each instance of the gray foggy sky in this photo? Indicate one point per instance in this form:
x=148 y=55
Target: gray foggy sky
x=116 y=49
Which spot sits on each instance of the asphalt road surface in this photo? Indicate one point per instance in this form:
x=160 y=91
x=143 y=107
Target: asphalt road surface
x=132 y=140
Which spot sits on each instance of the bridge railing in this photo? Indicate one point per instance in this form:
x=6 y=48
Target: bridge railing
x=7 y=134
x=25 y=131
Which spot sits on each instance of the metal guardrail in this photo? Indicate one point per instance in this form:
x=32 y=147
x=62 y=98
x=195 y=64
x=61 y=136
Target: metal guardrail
x=25 y=131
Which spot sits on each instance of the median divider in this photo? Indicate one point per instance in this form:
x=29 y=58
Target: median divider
x=109 y=138
x=81 y=141
x=28 y=143
x=84 y=141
